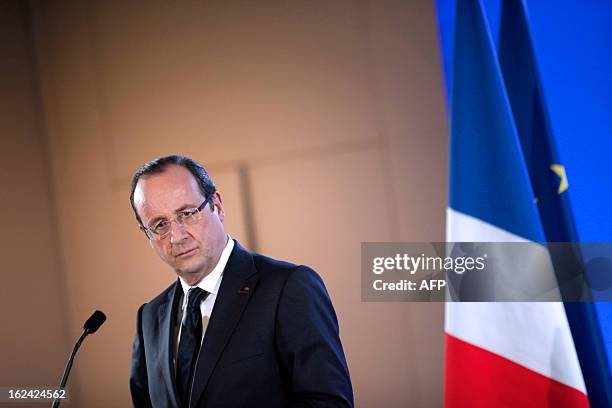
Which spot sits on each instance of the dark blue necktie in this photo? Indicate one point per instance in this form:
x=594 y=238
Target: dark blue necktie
x=189 y=345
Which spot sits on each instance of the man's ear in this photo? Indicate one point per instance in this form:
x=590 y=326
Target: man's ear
x=142 y=229
x=218 y=205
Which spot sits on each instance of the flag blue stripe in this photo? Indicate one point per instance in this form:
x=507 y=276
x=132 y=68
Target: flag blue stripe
x=488 y=176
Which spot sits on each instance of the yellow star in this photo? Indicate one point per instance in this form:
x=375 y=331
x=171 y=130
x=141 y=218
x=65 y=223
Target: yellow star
x=559 y=170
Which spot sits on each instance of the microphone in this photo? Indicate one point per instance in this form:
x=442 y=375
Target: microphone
x=91 y=326
x=94 y=322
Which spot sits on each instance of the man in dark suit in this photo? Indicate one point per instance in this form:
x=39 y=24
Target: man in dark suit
x=236 y=329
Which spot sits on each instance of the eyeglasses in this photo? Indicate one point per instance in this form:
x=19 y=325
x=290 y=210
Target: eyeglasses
x=161 y=229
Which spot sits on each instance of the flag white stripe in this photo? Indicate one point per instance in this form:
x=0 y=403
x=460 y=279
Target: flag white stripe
x=534 y=335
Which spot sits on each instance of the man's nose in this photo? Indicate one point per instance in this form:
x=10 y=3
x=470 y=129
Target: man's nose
x=177 y=232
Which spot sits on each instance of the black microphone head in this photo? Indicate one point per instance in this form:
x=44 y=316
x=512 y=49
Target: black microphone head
x=94 y=322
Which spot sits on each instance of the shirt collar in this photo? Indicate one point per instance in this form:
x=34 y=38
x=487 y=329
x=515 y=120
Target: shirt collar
x=212 y=281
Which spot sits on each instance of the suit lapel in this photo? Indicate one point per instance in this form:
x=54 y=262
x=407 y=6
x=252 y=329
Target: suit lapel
x=239 y=274
x=167 y=313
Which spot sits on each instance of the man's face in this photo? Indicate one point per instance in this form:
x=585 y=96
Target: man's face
x=191 y=250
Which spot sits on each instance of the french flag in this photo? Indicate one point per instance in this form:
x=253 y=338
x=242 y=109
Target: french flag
x=507 y=185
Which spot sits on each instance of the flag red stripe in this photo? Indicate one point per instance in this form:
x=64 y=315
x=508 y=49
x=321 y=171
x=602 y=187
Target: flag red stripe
x=475 y=377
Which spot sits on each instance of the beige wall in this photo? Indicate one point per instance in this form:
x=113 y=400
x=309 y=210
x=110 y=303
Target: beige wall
x=322 y=124
x=33 y=313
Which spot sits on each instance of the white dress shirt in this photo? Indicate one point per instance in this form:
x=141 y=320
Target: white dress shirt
x=210 y=284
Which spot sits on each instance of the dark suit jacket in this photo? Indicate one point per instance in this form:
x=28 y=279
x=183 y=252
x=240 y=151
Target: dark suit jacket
x=271 y=341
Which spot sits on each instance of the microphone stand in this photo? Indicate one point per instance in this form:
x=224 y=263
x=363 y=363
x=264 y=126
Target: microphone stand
x=56 y=401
